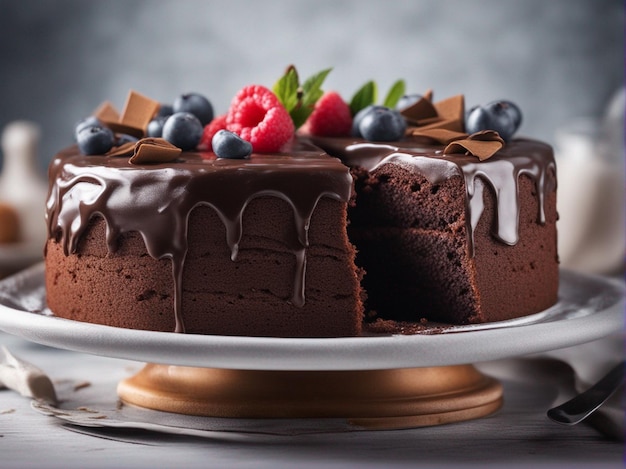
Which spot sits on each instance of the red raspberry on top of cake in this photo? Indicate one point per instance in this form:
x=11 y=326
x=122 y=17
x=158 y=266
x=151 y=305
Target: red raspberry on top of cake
x=256 y=115
x=330 y=118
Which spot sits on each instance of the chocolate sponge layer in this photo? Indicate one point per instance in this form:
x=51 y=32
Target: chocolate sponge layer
x=249 y=296
x=412 y=241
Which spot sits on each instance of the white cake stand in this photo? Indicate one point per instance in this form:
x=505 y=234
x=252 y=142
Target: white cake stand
x=378 y=381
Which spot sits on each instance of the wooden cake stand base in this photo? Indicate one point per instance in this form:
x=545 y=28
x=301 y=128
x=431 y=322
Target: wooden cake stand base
x=378 y=399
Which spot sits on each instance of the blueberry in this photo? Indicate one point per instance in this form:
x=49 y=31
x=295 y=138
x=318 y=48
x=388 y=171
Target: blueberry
x=493 y=116
x=512 y=109
x=155 y=126
x=183 y=129
x=165 y=110
x=197 y=105
x=125 y=138
x=86 y=122
x=229 y=145
x=95 y=140
x=407 y=101
x=359 y=116
x=382 y=125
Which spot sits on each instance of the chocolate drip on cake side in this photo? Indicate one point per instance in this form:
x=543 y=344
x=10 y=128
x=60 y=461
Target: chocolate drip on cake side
x=164 y=195
x=501 y=172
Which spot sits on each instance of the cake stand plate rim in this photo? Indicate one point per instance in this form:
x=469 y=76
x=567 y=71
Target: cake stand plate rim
x=590 y=307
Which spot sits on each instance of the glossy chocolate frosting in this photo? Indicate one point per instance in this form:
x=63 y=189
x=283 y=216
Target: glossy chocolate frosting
x=155 y=200
x=501 y=172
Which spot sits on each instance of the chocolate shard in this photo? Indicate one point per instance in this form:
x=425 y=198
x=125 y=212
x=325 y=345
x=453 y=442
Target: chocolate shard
x=440 y=135
x=154 y=151
x=138 y=111
x=127 y=149
x=107 y=113
x=482 y=145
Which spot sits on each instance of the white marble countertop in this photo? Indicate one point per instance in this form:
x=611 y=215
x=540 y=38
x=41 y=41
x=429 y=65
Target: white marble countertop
x=519 y=434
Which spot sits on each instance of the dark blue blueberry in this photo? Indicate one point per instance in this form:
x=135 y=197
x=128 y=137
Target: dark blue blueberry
x=86 y=122
x=229 y=145
x=359 y=116
x=183 y=129
x=382 y=125
x=125 y=138
x=511 y=108
x=491 y=117
x=197 y=105
x=95 y=140
x=165 y=110
x=155 y=126
x=407 y=101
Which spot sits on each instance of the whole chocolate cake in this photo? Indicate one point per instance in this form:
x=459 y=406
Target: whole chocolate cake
x=238 y=225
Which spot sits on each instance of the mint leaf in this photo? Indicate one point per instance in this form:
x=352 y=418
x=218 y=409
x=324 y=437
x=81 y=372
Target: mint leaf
x=299 y=100
x=365 y=96
x=300 y=115
x=286 y=89
x=311 y=91
x=396 y=91
x=312 y=87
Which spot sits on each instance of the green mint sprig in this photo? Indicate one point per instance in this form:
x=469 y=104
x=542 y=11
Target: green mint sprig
x=299 y=100
x=368 y=95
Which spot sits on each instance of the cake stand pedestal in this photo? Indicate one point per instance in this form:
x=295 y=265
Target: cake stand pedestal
x=371 y=399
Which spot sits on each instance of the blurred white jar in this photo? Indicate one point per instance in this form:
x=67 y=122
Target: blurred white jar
x=591 y=184
x=21 y=184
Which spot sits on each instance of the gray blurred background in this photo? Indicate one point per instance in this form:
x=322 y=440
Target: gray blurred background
x=558 y=59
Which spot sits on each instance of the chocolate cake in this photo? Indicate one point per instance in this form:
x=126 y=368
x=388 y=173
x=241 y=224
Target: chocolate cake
x=448 y=227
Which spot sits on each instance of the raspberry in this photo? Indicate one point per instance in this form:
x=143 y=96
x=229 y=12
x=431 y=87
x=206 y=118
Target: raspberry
x=331 y=117
x=256 y=115
x=213 y=127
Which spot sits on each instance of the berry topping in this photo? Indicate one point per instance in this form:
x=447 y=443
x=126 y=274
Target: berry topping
x=227 y=144
x=356 y=132
x=86 y=122
x=382 y=124
x=217 y=124
x=195 y=104
x=331 y=117
x=95 y=140
x=183 y=129
x=257 y=116
x=513 y=110
x=155 y=126
x=165 y=110
x=502 y=116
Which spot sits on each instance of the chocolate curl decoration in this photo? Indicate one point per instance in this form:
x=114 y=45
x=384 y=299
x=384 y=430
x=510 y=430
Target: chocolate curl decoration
x=482 y=145
x=147 y=151
x=444 y=123
x=446 y=114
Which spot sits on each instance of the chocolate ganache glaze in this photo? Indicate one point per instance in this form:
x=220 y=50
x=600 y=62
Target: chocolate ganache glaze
x=501 y=172
x=163 y=195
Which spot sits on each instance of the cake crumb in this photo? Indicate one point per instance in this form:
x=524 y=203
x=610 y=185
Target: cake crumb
x=81 y=385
